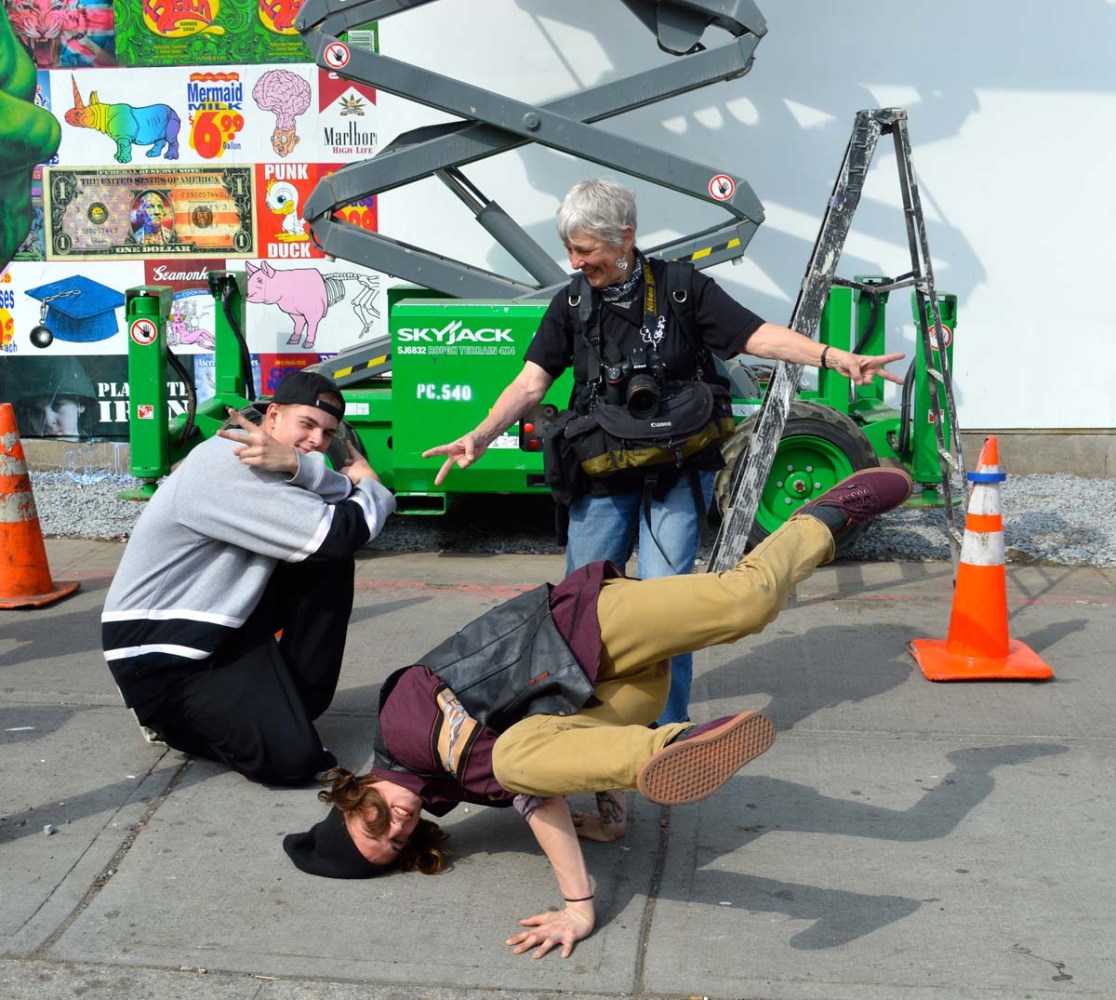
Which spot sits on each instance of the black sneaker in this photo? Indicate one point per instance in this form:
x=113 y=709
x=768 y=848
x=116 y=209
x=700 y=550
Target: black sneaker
x=149 y=734
x=326 y=763
x=702 y=758
x=854 y=501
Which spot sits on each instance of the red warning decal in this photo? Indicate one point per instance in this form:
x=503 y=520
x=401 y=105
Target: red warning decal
x=337 y=55
x=143 y=331
x=946 y=339
x=722 y=187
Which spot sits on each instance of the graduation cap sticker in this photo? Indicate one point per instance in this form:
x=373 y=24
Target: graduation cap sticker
x=75 y=309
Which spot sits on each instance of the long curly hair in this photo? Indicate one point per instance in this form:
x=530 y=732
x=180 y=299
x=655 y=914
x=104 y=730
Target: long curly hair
x=426 y=850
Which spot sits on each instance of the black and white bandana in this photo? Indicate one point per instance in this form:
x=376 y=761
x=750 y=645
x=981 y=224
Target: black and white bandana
x=623 y=293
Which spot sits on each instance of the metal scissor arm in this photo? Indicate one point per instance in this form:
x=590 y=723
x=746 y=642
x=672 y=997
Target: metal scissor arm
x=660 y=16
x=469 y=141
x=334 y=16
x=679 y=26
x=494 y=123
x=543 y=126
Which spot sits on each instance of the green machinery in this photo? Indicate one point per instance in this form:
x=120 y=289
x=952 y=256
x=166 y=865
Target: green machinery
x=446 y=359
x=838 y=427
x=155 y=446
x=450 y=358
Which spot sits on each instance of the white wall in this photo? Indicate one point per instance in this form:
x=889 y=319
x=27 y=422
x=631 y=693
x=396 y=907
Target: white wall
x=1011 y=104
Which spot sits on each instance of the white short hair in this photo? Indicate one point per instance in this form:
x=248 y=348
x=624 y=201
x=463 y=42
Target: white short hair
x=600 y=208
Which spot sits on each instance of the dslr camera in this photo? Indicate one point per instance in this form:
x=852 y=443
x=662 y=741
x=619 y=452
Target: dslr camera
x=637 y=382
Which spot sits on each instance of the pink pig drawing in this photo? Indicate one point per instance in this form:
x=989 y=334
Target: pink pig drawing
x=305 y=294
x=300 y=293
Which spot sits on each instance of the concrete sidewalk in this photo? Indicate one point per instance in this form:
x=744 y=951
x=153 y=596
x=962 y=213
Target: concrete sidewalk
x=901 y=840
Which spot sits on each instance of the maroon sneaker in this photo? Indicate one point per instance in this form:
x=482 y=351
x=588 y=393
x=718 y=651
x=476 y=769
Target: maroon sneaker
x=855 y=500
x=702 y=758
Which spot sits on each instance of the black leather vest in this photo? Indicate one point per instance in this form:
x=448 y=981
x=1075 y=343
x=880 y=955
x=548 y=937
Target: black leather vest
x=511 y=663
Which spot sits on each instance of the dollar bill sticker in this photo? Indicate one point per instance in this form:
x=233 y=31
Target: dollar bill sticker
x=108 y=214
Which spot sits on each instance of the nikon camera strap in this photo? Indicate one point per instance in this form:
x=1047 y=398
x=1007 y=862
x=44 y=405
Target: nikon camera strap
x=587 y=310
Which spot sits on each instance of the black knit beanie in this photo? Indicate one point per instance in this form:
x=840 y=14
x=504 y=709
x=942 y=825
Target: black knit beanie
x=327 y=849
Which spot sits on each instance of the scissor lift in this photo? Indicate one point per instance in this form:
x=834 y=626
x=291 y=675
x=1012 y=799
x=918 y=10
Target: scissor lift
x=710 y=41
x=494 y=123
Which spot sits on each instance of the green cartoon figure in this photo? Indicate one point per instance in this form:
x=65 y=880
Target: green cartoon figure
x=28 y=135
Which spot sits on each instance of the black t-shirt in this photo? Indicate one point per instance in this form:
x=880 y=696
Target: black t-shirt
x=723 y=325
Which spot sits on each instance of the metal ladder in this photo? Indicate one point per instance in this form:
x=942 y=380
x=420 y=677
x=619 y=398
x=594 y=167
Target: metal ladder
x=751 y=475
x=494 y=124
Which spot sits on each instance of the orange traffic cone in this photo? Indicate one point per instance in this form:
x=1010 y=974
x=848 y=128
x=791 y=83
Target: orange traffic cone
x=24 y=575
x=978 y=647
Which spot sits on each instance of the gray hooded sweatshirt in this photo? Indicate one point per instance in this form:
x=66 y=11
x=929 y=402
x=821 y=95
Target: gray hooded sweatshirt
x=204 y=549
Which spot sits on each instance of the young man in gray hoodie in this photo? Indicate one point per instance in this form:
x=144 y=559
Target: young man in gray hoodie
x=225 y=624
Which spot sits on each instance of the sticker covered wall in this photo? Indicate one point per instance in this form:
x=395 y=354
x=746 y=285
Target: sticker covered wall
x=233 y=113
x=208 y=32
x=99 y=214
x=185 y=32
x=195 y=153
x=289 y=305
x=281 y=191
x=66 y=34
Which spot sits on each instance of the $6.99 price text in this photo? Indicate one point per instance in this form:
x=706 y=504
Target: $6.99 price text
x=213 y=130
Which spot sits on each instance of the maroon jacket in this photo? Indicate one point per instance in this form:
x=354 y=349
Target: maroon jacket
x=536 y=654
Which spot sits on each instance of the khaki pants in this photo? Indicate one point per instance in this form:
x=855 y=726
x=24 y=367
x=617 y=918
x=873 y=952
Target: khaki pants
x=643 y=624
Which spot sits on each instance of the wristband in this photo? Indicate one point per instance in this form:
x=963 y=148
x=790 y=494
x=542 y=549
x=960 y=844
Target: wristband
x=822 y=363
x=583 y=899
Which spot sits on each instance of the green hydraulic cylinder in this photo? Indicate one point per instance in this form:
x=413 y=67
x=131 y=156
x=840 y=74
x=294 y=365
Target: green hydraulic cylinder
x=229 y=290
x=853 y=320
x=146 y=308
x=925 y=462
x=835 y=329
x=871 y=332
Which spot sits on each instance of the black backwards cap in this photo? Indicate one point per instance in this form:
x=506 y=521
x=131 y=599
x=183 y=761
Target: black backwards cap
x=303 y=388
x=327 y=849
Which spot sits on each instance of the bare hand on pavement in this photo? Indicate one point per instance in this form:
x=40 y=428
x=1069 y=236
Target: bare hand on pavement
x=555 y=927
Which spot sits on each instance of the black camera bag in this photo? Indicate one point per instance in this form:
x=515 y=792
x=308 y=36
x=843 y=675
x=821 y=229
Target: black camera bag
x=692 y=416
x=561 y=466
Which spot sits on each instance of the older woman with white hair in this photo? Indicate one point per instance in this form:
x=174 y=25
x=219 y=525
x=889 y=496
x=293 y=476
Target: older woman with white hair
x=621 y=325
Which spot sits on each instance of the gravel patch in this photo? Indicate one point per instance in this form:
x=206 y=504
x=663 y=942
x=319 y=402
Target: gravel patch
x=1054 y=519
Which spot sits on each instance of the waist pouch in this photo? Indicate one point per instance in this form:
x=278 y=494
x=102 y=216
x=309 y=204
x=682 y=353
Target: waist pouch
x=561 y=468
x=691 y=417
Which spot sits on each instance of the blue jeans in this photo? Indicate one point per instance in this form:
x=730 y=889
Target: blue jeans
x=607 y=528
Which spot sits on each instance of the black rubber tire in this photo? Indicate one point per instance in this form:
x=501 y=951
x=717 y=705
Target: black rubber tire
x=337 y=453
x=819 y=447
